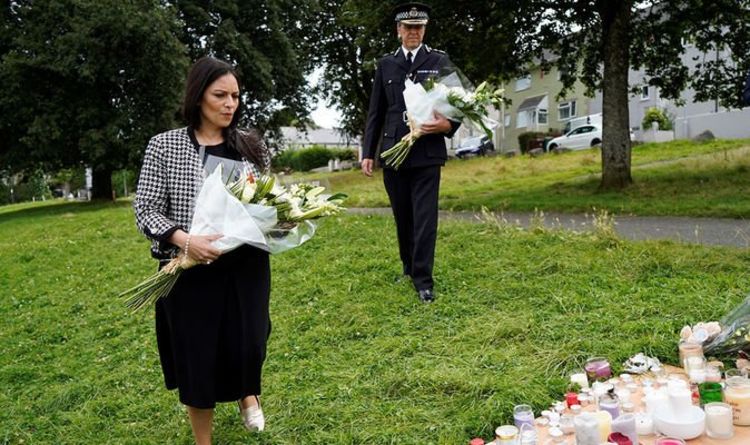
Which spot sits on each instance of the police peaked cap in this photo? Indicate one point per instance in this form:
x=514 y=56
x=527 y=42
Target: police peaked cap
x=412 y=13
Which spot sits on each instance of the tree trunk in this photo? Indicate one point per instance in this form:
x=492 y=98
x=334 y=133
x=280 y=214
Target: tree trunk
x=616 y=123
x=102 y=183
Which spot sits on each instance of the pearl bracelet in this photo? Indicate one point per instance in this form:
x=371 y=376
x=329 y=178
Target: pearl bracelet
x=187 y=245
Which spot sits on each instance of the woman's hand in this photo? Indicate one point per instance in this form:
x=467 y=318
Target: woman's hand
x=197 y=247
x=201 y=249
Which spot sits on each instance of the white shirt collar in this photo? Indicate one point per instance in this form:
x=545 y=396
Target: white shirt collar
x=413 y=51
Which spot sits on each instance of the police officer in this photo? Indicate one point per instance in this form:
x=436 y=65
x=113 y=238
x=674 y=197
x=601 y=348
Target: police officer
x=746 y=92
x=413 y=187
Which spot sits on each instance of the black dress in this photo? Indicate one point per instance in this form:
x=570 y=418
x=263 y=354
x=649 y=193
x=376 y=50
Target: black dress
x=212 y=329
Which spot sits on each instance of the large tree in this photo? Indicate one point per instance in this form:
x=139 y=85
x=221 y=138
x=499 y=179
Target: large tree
x=482 y=38
x=599 y=41
x=87 y=82
x=264 y=39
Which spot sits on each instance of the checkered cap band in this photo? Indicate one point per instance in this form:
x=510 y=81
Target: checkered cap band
x=412 y=14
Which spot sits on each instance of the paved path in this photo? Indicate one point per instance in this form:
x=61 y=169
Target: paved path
x=707 y=231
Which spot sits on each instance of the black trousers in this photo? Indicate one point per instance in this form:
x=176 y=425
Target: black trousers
x=413 y=193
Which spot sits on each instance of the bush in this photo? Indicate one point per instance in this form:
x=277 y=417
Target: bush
x=657 y=115
x=305 y=159
x=526 y=137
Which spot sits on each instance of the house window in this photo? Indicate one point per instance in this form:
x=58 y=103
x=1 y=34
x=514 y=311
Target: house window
x=522 y=120
x=507 y=120
x=644 y=92
x=566 y=110
x=541 y=116
x=523 y=83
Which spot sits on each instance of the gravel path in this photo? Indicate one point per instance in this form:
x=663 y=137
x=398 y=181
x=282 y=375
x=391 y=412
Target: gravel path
x=706 y=231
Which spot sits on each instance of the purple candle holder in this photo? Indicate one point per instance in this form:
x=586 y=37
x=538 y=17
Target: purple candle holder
x=523 y=415
x=597 y=369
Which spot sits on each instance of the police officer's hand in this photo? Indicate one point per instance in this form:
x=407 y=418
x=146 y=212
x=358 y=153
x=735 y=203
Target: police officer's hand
x=436 y=126
x=367 y=167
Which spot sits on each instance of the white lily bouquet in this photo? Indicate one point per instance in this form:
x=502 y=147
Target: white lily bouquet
x=453 y=97
x=255 y=211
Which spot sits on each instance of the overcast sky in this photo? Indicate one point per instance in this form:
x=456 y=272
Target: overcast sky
x=323 y=115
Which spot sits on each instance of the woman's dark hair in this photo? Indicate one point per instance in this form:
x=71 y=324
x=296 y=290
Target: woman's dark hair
x=202 y=74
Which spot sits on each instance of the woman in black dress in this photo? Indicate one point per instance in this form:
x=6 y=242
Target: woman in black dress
x=212 y=328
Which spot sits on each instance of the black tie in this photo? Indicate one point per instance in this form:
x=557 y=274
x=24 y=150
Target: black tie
x=408 y=57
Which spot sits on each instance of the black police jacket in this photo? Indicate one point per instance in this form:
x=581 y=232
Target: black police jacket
x=386 y=116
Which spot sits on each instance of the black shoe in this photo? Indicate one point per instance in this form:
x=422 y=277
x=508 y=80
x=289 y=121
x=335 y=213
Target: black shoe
x=426 y=295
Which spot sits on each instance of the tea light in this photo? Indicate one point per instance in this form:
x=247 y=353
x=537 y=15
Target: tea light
x=628 y=407
x=627 y=378
x=559 y=407
x=576 y=409
x=583 y=399
x=477 y=441
x=644 y=424
x=554 y=418
x=632 y=387
x=546 y=413
x=557 y=435
x=581 y=379
x=719 y=420
x=623 y=394
x=541 y=421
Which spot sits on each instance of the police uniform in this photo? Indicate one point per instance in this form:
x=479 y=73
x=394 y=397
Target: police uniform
x=413 y=187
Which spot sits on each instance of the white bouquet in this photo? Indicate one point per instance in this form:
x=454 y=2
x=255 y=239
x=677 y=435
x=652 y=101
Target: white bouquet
x=450 y=96
x=251 y=211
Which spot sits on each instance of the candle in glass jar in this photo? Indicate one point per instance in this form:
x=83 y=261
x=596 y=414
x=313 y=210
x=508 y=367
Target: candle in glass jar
x=719 y=420
x=597 y=368
x=523 y=415
x=737 y=394
x=581 y=379
x=571 y=399
x=619 y=439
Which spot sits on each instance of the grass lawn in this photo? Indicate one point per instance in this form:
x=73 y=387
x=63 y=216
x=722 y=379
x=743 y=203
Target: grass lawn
x=353 y=357
x=675 y=178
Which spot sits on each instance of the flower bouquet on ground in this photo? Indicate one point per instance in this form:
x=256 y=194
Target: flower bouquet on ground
x=732 y=334
x=453 y=97
x=249 y=210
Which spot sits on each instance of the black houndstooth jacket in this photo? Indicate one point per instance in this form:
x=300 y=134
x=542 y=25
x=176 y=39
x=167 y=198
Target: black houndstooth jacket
x=171 y=177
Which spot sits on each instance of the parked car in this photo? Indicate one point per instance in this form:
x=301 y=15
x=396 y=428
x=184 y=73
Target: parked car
x=591 y=119
x=477 y=146
x=577 y=139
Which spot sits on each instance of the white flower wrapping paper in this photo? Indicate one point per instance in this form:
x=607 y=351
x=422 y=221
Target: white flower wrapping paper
x=217 y=211
x=422 y=104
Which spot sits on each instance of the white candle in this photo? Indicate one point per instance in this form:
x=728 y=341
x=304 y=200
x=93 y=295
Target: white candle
x=581 y=379
x=719 y=420
x=681 y=401
x=625 y=424
x=644 y=424
x=587 y=429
